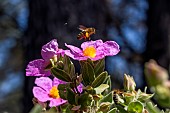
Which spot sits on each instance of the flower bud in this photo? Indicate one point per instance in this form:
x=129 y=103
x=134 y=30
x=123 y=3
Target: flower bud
x=104 y=106
x=129 y=83
x=155 y=74
x=55 y=58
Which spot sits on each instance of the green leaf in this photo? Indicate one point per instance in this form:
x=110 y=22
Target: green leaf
x=51 y=110
x=85 y=100
x=129 y=97
x=100 y=79
x=68 y=66
x=68 y=109
x=105 y=107
x=63 y=86
x=63 y=94
x=135 y=107
x=60 y=74
x=121 y=109
x=81 y=63
x=36 y=109
x=151 y=108
x=107 y=98
x=114 y=110
x=77 y=99
x=88 y=74
x=72 y=69
x=144 y=97
x=108 y=81
x=99 y=66
x=66 y=61
x=101 y=88
x=60 y=65
x=70 y=96
x=90 y=62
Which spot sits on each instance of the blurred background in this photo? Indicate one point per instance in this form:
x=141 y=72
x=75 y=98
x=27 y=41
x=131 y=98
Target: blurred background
x=140 y=27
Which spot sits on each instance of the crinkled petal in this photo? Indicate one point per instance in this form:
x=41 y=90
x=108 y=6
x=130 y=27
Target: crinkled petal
x=61 y=51
x=49 y=50
x=40 y=94
x=57 y=81
x=80 y=88
x=44 y=82
x=57 y=102
x=75 y=56
x=96 y=44
x=111 y=48
x=74 y=48
x=36 y=68
x=99 y=53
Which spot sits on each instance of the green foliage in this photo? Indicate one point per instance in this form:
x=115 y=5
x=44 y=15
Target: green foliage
x=62 y=75
x=87 y=74
x=158 y=81
x=135 y=107
x=114 y=110
x=99 y=66
x=107 y=98
x=100 y=79
x=101 y=88
x=70 y=96
x=151 y=108
x=68 y=66
x=36 y=109
x=97 y=95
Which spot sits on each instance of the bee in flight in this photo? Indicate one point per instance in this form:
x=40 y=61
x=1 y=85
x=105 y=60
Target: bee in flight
x=85 y=32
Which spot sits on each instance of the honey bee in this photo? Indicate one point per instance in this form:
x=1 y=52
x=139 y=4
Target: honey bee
x=85 y=32
x=116 y=95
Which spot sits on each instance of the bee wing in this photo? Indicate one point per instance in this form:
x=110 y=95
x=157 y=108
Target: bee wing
x=82 y=28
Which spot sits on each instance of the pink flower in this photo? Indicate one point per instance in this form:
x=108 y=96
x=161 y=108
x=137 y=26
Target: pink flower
x=94 y=50
x=37 y=67
x=47 y=90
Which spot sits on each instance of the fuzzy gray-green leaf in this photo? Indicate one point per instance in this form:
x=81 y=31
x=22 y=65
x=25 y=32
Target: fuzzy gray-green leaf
x=88 y=74
x=60 y=74
x=70 y=96
x=114 y=110
x=135 y=107
x=100 y=79
x=68 y=66
x=101 y=88
x=107 y=98
x=99 y=66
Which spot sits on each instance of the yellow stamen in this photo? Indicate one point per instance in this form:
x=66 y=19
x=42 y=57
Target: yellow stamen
x=54 y=93
x=90 y=52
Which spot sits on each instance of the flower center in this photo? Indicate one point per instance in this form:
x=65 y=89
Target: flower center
x=90 y=52
x=54 y=93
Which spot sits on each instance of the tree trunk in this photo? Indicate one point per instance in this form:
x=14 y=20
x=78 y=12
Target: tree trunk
x=158 y=32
